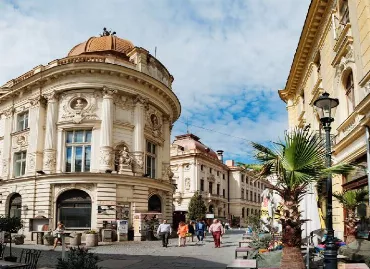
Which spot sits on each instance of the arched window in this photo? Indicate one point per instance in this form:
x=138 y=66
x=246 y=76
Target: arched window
x=247 y=212
x=219 y=212
x=155 y=204
x=15 y=205
x=74 y=209
x=343 y=12
x=243 y=212
x=350 y=93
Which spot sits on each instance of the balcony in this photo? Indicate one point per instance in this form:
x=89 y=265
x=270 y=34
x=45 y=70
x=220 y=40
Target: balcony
x=347 y=126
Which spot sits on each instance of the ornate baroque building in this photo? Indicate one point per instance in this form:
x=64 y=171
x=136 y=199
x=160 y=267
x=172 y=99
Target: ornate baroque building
x=228 y=191
x=333 y=55
x=86 y=139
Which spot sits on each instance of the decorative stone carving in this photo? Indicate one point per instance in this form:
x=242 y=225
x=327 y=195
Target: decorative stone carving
x=108 y=93
x=51 y=96
x=106 y=156
x=187 y=166
x=79 y=106
x=138 y=162
x=154 y=121
x=49 y=160
x=5 y=166
x=8 y=112
x=167 y=173
x=31 y=161
x=125 y=160
x=211 y=178
x=37 y=100
x=124 y=102
x=20 y=140
x=187 y=184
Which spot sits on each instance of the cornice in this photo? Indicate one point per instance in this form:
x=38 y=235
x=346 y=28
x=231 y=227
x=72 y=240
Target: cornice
x=50 y=75
x=318 y=12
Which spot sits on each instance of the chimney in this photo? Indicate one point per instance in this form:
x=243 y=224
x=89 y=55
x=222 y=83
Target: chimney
x=220 y=155
x=230 y=163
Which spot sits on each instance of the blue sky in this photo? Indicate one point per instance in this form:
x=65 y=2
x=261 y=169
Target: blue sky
x=228 y=57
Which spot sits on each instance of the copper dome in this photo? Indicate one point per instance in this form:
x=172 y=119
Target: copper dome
x=102 y=44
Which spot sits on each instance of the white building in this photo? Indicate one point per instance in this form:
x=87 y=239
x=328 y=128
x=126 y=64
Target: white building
x=86 y=139
x=228 y=190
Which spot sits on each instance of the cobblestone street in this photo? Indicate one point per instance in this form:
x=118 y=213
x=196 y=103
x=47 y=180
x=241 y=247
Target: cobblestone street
x=151 y=255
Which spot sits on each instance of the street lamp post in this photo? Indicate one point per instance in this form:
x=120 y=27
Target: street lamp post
x=326 y=107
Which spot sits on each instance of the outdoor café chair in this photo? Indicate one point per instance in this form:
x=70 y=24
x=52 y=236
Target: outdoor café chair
x=30 y=257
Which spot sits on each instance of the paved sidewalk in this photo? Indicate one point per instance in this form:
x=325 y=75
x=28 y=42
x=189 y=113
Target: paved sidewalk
x=151 y=254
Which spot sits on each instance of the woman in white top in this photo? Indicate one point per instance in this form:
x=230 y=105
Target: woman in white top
x=60 y=229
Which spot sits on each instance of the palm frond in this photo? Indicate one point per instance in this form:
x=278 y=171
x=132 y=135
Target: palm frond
x=352 y=198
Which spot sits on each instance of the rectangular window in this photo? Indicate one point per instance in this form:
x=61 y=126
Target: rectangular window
x=242 y=193
x=242 y=178
x=20 y=163
x=255 y=197
x=78 y=151
x=246 y=180
x=218 y=189
x=218 y=173
x=201 y=167
x=258 y=184
x=22 y=121
x=202 y=184
x=223 y=176
x=151 y=155
x=210 y=187
x=250 y=196
x=223 y=193
x=210 y=170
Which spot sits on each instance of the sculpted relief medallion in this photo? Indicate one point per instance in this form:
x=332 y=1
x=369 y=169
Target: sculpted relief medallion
x=154 y=122
x=79 y=106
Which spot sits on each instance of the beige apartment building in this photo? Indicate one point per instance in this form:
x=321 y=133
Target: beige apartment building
x=333 y=55
x=229 y=192
x=86 y=139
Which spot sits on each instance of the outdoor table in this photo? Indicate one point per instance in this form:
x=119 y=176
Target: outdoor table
x=244 y=242
x=63 y=235
x=13 y=264
x=242 y=264
x=39 y=238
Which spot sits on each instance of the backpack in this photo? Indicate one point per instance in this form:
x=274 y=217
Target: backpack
x=200 y=226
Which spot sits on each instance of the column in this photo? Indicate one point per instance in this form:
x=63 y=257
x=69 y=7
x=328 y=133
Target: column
x=50 y=132
x=106 y=131
x=36 y=123
x=8 y=120
x=139 y=139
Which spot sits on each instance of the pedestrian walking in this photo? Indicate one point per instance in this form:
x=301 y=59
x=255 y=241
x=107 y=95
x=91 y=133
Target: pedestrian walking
x=216 y=230
x=164 y=231
x=191 y=231
x=182 y=231
x=206 y=228
x=200 y=229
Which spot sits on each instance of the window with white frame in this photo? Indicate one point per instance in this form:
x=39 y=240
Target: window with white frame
x=22 y=121
x=151 y=154
x=20 y=163
x=78 y=151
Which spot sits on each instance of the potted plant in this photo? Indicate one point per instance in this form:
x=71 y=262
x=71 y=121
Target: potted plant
x=10 y=225
x=91 y=238
x=18 y=239
x=48 y=239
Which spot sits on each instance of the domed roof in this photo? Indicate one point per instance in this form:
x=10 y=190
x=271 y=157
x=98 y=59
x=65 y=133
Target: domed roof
x=191 y=142
x=103 y=43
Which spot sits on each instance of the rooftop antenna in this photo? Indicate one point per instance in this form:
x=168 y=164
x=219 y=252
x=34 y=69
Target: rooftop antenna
x=155 y=52
x=187 y=125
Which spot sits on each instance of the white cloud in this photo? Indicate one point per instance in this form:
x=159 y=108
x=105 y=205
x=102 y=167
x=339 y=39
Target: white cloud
x=223 y=54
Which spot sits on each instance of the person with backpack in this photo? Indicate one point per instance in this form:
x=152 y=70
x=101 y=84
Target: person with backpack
x=200 y=229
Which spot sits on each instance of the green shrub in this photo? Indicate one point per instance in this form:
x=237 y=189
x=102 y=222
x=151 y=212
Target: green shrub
x=79 y=258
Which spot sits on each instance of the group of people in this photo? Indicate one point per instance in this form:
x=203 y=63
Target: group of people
x=199 y=228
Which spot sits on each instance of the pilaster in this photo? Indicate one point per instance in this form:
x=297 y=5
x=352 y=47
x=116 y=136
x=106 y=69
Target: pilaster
x=8 y=115
x=50 y=132
x=139 y=139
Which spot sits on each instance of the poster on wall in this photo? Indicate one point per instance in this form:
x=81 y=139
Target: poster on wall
x=123 y=211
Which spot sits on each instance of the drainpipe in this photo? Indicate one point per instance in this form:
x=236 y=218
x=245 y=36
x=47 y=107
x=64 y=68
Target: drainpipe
x=368 y=156
x=228 y=196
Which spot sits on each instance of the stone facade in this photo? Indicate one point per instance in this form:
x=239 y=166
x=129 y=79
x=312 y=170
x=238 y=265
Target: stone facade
x=225 y=187
x=75 y=133
x=333 y=56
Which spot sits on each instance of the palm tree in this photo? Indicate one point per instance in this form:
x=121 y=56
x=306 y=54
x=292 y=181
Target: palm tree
x=350 y=200
x=296 y=162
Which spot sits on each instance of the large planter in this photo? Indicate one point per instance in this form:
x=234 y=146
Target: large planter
x=48 y=240
x=76 y=240
x=18 y=240
x=91 y=240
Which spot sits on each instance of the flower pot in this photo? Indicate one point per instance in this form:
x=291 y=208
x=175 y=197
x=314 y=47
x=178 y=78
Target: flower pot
x=48 y=240
x=91 y=240
x=76 y=240
x=10 y=259
x=19 y=240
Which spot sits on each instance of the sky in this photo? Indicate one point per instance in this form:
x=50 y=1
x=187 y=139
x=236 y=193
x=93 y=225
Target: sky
x=228 y=57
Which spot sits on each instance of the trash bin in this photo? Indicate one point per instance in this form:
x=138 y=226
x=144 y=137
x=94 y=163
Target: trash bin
x=76 y=240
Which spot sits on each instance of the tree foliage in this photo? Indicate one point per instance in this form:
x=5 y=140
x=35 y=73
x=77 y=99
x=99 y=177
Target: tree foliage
x=10 y=225
x=197 y=208
x=351 y=199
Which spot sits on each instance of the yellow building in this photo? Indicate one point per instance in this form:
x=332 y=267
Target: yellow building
x=333 y=55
